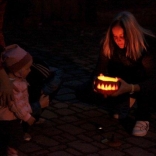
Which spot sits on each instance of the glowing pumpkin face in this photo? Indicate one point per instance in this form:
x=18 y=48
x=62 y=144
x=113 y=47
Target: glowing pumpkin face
x=106 y=85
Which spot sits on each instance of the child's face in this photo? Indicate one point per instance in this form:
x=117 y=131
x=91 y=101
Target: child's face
x=26 y=70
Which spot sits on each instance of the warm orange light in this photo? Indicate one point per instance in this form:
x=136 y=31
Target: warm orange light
x=107 y=87
x=106 y=78
x=105 y=84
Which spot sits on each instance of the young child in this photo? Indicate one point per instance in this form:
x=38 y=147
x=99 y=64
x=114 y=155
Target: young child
x=17 y=63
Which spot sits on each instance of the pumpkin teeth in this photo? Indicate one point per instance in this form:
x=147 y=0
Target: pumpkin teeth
x=107 y=87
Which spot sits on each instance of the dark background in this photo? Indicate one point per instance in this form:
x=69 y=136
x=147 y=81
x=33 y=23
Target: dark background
x=32 y=14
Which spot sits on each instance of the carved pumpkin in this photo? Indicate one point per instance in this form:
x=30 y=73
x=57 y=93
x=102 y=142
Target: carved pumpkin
x=106 y=85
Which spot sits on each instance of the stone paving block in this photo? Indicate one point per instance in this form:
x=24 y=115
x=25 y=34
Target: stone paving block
x=125 y=146
x=59 y=153
x=51 y=131
x=65 y=111
x=29 y=147
x=69 y=119
x=80 y=122
x=69 y=136
x=93 y=113
x=123 y=132
x=73 y=100
x=88 y=126
x=83 y=147
x=90 y=133
x=117 y=136
x=48 y=114
x=101 y=121
x=99 y=144
x=71 y=129
x=93 y=154
x=54 y=101
x=153 y=150
x=45 y=141
x=74 y=152
x=78 y=110
x=38 y=153
x=60 y=105
x=57 y=122
x=21 y=153
x=65 y=91
x=97 y=137
x=60 y=139
x=141 y=142
x=65 y=97
x=82 y=116
x=43 y=125
x=81 y=105
x=109 y=135
x=112 y=152
x=60 y=147
x=151 y=135
x=136 y=151
x=50 y=107
x=84 y=138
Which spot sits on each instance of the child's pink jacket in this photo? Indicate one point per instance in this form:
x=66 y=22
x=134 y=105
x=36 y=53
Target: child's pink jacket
x=20 y=108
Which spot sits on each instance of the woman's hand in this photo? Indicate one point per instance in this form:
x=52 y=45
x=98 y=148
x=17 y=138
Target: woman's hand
x=123 y=88
x=44 y=100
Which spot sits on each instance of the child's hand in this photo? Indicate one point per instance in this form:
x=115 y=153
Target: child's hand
x=31 y=120
x=44 y=100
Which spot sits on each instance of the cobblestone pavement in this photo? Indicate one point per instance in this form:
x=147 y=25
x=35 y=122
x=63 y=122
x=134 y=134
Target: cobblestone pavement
x=72 y=127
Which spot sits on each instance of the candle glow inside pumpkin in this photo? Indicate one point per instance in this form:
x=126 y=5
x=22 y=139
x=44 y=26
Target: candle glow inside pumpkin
x=107 y=87
x=107 y=78
x=108 y=83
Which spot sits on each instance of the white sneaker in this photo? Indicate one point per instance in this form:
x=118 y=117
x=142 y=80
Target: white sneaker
x=27 y=137
x=141 y=128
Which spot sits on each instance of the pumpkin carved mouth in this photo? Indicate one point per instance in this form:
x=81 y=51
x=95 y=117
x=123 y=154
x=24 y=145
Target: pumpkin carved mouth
x=106 y=85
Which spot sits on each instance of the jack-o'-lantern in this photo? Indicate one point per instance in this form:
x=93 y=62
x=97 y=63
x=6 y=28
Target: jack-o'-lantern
x=106 y=85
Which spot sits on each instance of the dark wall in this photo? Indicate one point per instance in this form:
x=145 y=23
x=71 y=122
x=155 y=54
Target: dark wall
x=32 y=13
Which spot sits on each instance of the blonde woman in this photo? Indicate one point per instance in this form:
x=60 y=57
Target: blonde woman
x=129 y=53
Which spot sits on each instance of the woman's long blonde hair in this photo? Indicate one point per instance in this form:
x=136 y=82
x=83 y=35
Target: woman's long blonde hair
x=134 y=36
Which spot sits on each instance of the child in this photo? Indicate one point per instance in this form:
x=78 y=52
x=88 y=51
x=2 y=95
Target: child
x=17 y=63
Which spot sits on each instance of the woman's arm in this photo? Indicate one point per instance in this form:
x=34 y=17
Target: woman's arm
x=148 y=84
x=149 y=64
x=126 y=88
